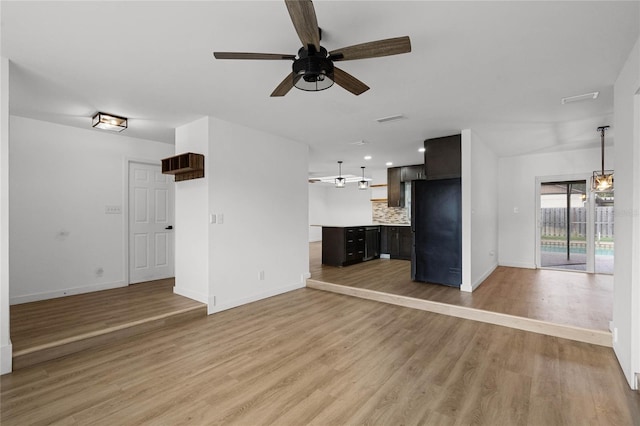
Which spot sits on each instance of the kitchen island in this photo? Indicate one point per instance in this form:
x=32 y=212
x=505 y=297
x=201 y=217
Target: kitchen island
x=348 y=245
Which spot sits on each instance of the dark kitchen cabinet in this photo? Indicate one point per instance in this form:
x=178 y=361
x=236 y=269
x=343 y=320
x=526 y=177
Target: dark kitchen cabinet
x=395 y=188
x=397 y=177
x=410 y=173
x=397 y=241
x=342 y=246
x=443 y=157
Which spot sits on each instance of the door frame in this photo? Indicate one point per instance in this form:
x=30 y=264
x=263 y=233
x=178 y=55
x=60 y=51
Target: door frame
x=125 y=215
x=590 y=249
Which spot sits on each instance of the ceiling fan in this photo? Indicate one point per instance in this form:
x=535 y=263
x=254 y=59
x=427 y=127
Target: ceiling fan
x=313 y=68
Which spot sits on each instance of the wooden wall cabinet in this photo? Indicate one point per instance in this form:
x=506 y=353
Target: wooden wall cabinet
x=397 y=177
x=184 y=166
x=443 y=157
x=395 y=189
x=410 y=173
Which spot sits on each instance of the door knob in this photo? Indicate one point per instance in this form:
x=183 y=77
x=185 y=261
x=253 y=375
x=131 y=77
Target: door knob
x=169 y=227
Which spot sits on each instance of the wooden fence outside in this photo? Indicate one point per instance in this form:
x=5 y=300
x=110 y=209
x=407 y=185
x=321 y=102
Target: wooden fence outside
x=554 y=222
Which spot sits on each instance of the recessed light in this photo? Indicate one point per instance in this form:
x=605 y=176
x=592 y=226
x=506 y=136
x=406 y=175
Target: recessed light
x=422 y=149
x=578 y=98
x=367 y=157
x=388 y=163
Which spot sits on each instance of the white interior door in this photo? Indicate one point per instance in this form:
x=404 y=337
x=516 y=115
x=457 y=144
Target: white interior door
x=151 y=210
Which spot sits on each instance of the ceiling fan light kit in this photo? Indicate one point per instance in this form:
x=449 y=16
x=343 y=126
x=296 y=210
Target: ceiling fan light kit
x=313 y=69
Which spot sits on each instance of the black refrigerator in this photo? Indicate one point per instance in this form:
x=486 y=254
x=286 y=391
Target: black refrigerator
x=436 y=223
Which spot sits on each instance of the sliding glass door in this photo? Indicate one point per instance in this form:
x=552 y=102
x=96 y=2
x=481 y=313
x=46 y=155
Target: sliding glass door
x=564 y=231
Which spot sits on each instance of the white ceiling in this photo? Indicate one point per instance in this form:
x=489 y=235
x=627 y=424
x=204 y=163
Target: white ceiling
x=499 y=68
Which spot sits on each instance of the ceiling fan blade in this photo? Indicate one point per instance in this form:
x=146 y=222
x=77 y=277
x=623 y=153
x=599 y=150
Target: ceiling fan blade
x=303 y=16
x=372 y=49
x=348 y=82
x=285 y=85
x=243 y=55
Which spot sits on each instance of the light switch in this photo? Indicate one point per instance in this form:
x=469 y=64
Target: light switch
x=212 y=218
x=220 y=218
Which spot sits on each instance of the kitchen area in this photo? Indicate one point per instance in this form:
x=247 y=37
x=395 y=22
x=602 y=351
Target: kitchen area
x=414 y=218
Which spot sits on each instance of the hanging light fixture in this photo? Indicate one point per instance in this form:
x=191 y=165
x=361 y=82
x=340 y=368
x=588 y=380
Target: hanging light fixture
x=363 y=184
x=340 y=181
x=602 y=180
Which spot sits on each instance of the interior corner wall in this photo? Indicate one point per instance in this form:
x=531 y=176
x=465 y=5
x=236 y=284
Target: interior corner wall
x=61 y=178
x=318 y=212
x=626 y=289
x=261 y=247
x=517 y=197
x=5 y=340
x=482 y=210
x=192 y=267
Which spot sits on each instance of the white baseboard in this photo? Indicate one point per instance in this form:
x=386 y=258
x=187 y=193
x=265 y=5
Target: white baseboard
x=34 y=297
x=218 y=307
x=524 y=265
x=480 y=280
x=6 y=354
x=198 y=297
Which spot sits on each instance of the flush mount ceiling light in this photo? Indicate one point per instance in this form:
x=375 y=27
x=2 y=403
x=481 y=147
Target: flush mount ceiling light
x=602 y=180
x=109 y=122
x=363 y=184
x=578 y=98
x=340 y=181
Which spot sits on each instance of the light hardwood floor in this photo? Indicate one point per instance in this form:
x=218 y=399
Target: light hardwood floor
x=570 y=298
x=55 y=327
x=312 y=357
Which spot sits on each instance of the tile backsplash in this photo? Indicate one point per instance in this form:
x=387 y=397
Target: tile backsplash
x=384 y=214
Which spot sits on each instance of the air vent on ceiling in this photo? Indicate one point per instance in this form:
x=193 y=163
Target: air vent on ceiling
x=578 y=98
x=390 y=118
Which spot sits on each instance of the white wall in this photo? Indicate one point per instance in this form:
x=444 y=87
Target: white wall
x=61 y=179
x=191 y=216
x=480 y=210
x=517 y=200
x=5 y=341
x=265 y=209
x=333 y=206
x=626 y=292
x=318 y=210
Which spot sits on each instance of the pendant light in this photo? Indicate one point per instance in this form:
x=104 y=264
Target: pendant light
x=363 y=184
x=602 y=180
x=340 y=181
